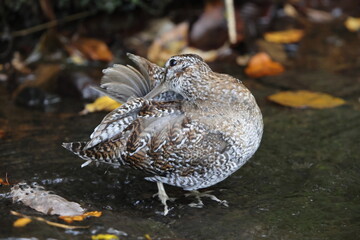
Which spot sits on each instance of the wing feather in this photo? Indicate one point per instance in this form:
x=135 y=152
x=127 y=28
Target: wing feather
x=123 y=82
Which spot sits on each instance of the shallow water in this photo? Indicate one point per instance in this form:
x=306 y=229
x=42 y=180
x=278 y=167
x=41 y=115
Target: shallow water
x=303 y=182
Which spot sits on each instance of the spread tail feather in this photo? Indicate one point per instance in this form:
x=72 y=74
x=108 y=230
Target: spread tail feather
x=78 y=149
x=96 y=154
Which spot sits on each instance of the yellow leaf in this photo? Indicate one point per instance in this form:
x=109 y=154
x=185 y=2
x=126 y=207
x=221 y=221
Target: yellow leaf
x=352 y=24
x=104 y=103
x=104 y=237
x=93 y=214
x=47 y=222
x=287 y=36
x=21 y=222
x=304 y=99
x=147 y=237
x=70 y=219
x=261 y=65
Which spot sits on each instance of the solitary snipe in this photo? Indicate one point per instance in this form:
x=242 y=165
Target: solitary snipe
x=183 y=124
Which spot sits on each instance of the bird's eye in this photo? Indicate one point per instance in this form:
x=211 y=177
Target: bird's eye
x=172 y=62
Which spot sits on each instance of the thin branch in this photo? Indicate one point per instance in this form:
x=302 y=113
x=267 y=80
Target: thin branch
x=50 y=24
x=55 y=224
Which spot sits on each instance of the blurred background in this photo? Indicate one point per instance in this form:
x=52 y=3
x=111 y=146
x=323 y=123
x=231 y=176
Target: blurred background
x=300 y=59
x=52 y=49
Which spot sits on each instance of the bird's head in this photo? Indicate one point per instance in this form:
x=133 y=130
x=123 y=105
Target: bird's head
x=183 y=75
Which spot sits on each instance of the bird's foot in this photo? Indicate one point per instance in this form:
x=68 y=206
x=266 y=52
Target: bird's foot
x=198 y=195
x=163 y=197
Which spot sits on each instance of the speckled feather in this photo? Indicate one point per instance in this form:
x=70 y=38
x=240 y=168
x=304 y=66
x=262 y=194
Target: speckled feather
x=194 y=137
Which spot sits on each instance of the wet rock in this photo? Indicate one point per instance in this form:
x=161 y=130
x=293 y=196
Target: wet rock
x=77 y=83
x=35 y=98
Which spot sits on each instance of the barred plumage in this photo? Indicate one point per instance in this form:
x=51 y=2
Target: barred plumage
x=184 y=124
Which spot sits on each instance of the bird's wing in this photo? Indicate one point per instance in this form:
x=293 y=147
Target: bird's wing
x=121 y=118
x=171 y=142
x=116 y=121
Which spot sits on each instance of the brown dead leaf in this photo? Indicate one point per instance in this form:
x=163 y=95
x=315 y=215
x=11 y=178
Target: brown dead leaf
x=103 y=103
x=261 y=65
x=352 y=24
x=287 y=36
x=94 y=49
x=306 y=99
x=168 y=44
x=22 y=222
x=2 y=134
x=70 y=219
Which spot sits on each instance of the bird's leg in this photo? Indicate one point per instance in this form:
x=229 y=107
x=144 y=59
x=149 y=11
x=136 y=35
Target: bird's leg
x=198 y=195
x=163 y=197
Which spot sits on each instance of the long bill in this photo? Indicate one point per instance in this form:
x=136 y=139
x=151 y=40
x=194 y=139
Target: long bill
x=162 y=87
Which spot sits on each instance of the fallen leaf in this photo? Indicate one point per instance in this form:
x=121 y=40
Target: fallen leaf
x=104 y=237
x=306 y=99
x=6 y=182
x=43 y=201
x=2 y=134
x=103 y=103
x=70 y=219
x=93 y=214
x=40 y=219
x=93 y=48
x=352 y=24
x=147 y=237
x=261 y=65
x=287 y=36
x=22 y=222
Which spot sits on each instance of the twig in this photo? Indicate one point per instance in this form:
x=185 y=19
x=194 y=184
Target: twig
x=50 y=24
x=230 y=11
x=46 y=221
